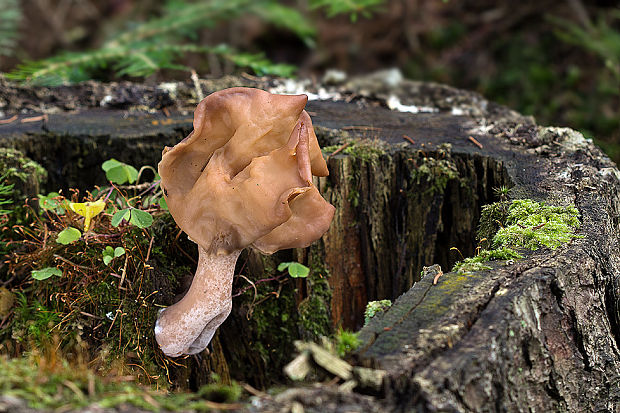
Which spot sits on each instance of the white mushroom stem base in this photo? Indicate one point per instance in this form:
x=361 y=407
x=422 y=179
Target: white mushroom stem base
x=188 y=326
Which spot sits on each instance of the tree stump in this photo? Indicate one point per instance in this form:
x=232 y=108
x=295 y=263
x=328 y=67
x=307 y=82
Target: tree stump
x=539 y=334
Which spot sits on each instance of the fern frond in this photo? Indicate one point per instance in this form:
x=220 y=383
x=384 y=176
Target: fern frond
x=183 y=20
x=66 y=67
x=600 y=39
x=255 y=61
x=351 y=7
x=286 y=18
x=158 y=43
x=10 y=16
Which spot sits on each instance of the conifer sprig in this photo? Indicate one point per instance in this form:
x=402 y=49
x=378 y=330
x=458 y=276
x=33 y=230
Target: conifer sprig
x=160 y=42
x=10 y=16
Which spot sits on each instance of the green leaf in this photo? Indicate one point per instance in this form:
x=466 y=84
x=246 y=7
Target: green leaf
x=295 y=269
x=48 y=202
x=123 y=214
x=119 y=172
x=45 y=273
x=110 y=253
x=141 y=219
x=68 y=235
x=109 y=164
x=163 y=204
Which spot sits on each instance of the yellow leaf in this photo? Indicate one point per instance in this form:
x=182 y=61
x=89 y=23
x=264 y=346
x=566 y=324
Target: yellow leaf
x=88 y=210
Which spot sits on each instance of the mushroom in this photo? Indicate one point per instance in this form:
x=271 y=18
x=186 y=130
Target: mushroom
x=242 y=177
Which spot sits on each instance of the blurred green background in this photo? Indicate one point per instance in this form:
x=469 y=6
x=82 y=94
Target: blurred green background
x=556 y=60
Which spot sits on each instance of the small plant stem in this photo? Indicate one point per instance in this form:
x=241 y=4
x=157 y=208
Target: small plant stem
x=255 y=294
x=278 y=278
x=457 y=250
x=58 y=257
x=124 y=272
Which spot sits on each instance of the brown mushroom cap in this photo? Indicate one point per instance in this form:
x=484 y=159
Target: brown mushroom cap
x=243 y=176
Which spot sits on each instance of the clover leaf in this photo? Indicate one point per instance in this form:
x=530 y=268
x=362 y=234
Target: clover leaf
x=45 y=273
x=110 y=253
x=295 y=269
x=119 y=172
x=68 y=236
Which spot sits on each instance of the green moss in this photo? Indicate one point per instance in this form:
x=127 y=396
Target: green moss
x=33 y=323
x=476 y=263
x=25 y=174
x=274 y=324
x=434 y=173
x=314 y=314
x=450 y=285
x=492 y=218
x=20 y=178
x=346 y=342
x=375 y=307
x=218 y=392
x=53 y=383
x=87 y=304
x=361 y=153
x=532 y=225
x=365 y=150
x=272 y=319
x=518 y=225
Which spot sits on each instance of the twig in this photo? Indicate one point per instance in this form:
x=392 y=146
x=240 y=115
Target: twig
x=222 y=406
x=144 y=185
x=148 y=252
x=196 y=81
x=6 y=317
x=124 y=272
x=58 y=257
x=187 y=255
x=255 y=291
x=353 y=127
x=475 y=142
x=9 y=120
x=118 y=310
x=439 y=274
x=249 y=76
x=90 y=315
x=339 y=149
x=409 y=139
x=264 y=280
x=35 y=119
x=255 y=392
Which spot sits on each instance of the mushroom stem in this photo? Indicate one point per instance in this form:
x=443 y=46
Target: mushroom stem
x=188 y=326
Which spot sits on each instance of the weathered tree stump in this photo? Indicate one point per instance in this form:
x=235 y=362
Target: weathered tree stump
x=541 y=334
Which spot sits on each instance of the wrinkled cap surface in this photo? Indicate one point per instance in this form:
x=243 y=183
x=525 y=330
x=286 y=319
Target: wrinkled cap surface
x=243 y=176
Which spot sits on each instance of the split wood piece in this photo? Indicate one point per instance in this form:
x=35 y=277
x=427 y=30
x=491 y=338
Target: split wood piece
x=354 y=376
